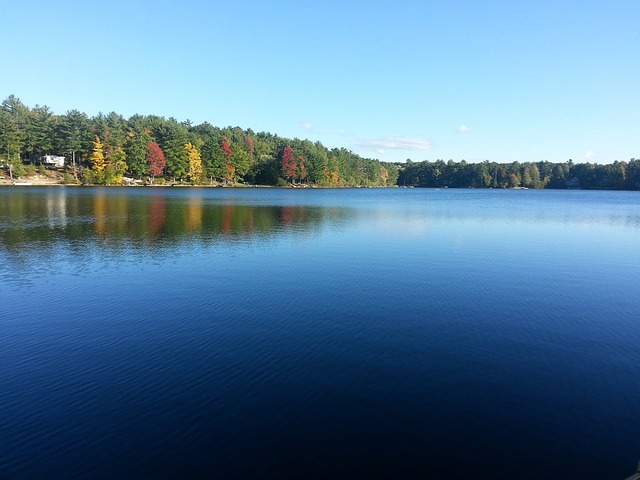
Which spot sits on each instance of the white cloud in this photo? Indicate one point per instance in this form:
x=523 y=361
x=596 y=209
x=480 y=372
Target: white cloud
x=396 y=143
x=589 y=154
x=306 y=125
x=463 y=129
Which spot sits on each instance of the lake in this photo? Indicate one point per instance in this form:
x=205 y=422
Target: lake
x=308 y=333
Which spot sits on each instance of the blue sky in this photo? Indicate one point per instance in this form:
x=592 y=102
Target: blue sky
x=474 y=80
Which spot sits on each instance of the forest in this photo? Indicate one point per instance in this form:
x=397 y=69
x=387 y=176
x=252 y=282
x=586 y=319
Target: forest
x=107 y=149
x=110 y=150
x=619 y=175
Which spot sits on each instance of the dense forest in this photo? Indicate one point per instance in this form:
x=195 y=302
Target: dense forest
x=107 y=149
x=619 y=175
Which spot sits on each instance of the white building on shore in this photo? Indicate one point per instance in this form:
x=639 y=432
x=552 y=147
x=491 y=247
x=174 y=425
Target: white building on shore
x=53 y=160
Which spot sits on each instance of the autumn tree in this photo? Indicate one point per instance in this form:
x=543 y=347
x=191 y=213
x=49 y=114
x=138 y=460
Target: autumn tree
x=97 y=157
x=155 y=160
x=116 y=166
x=226 y=147
x=288 y=163
x=98 y=163
x=195 y=163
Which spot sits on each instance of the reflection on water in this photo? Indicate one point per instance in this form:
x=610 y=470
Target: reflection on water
x=45 y=221
x=37 y=223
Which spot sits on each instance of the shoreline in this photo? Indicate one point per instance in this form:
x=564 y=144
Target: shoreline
x=35 y=180
x=40 y=180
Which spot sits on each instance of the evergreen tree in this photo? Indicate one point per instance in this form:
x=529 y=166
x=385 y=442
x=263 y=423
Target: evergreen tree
x=172 y=137
x=136 y=150
x=73 y=135
x=13 y=118
x=40 y=125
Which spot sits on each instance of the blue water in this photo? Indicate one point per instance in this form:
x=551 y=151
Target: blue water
x=267 y=333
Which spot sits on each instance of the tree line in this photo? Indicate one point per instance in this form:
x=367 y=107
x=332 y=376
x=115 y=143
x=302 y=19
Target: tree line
x=104 y=149
x=619 y=175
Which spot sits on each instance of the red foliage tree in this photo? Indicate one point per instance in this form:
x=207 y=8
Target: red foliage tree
x=288 y=162
x=155 y=159
x=226 y=147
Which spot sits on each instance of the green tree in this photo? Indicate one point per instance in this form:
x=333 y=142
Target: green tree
x=241 y=161
x=11 y=139
x=136 y=151
x=13 y=122
x=213 y=158
x=117 y=132
x=172 y=136
x=632 y=174
x=73 y=135
x=40 y=125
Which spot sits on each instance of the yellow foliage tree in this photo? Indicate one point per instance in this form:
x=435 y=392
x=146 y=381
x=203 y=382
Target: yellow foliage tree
x=97 y=174
x=117 y=166
x=97 y=157
x=195 y=163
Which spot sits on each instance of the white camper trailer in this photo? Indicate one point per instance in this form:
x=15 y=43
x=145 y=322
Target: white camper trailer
x=53 y=160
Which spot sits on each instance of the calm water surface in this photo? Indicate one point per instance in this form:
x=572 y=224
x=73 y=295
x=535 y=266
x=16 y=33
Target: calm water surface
x=265 y=333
